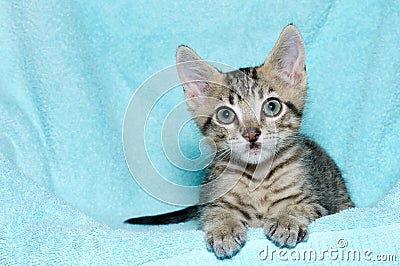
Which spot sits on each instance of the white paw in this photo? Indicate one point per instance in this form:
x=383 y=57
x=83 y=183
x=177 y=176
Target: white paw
x=285 y=230
x=226 y=239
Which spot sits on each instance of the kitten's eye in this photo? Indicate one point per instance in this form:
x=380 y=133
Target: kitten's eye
x=272 y=107
x=225 y=115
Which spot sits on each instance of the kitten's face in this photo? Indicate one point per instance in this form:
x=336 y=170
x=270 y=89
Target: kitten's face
x=249 y=117
x=248 y=112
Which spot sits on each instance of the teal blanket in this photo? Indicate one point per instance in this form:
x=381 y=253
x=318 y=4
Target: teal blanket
x=69 y=68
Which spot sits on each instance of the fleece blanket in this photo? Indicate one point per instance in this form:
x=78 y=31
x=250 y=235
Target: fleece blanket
x=68 y=71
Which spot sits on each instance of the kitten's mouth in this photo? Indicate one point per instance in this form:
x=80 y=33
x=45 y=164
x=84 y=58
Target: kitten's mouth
x=255 y=146
x=254 y=152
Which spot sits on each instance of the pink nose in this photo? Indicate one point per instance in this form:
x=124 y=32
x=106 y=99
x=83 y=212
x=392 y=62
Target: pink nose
x=252 y=134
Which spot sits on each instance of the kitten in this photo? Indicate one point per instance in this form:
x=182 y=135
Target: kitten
x=265 y=173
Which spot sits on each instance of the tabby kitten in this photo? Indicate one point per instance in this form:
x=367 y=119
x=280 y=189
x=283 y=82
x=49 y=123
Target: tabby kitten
x=265 y=173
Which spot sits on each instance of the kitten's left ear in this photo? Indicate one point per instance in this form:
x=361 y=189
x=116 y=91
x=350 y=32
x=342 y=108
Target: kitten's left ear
x=195 y=74
x=287 y=59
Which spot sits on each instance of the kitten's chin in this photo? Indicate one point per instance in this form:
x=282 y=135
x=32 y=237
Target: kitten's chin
x=255 y=156
x=257 y=159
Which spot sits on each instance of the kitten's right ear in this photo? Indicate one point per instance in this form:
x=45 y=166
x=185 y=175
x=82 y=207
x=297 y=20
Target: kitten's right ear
x=287 y=59
x=195 y=74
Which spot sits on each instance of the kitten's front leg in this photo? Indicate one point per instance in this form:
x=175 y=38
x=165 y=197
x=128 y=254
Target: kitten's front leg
x=225 y=232
x=290 y=226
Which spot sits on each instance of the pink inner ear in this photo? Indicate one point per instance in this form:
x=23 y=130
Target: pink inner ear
x=189 y=93
x=291 y=62
x=194 y=92
x=290 y=57
x=195 y=89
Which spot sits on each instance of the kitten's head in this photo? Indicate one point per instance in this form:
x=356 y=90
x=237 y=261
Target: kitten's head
x=250 y=111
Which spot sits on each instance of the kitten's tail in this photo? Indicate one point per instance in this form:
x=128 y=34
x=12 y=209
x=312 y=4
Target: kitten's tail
x=180 y=216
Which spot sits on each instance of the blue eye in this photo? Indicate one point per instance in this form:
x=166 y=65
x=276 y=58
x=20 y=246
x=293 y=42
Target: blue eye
x=225 y=115
x=272 y=107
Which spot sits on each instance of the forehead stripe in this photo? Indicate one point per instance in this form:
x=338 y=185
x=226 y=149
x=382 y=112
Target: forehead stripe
x=231 y=99
x=260 y=93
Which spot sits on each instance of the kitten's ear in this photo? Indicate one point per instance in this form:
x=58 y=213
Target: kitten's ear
x=195 y=74
x=287 y=59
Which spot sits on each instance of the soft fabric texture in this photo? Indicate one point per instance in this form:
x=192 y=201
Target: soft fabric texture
x=67 y=73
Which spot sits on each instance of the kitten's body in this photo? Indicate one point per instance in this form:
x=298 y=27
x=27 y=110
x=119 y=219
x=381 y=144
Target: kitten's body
x=265 y=173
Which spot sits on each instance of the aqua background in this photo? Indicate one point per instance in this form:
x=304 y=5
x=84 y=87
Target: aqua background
x=69 y=68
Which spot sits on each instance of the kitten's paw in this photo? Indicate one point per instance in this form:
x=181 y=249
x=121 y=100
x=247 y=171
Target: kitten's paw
x=226 y=239
x=285 y=230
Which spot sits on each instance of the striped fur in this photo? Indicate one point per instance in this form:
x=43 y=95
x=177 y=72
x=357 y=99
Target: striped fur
x=265 y=174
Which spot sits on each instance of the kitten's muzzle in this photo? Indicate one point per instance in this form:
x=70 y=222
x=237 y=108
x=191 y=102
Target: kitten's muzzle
x=251 y=134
